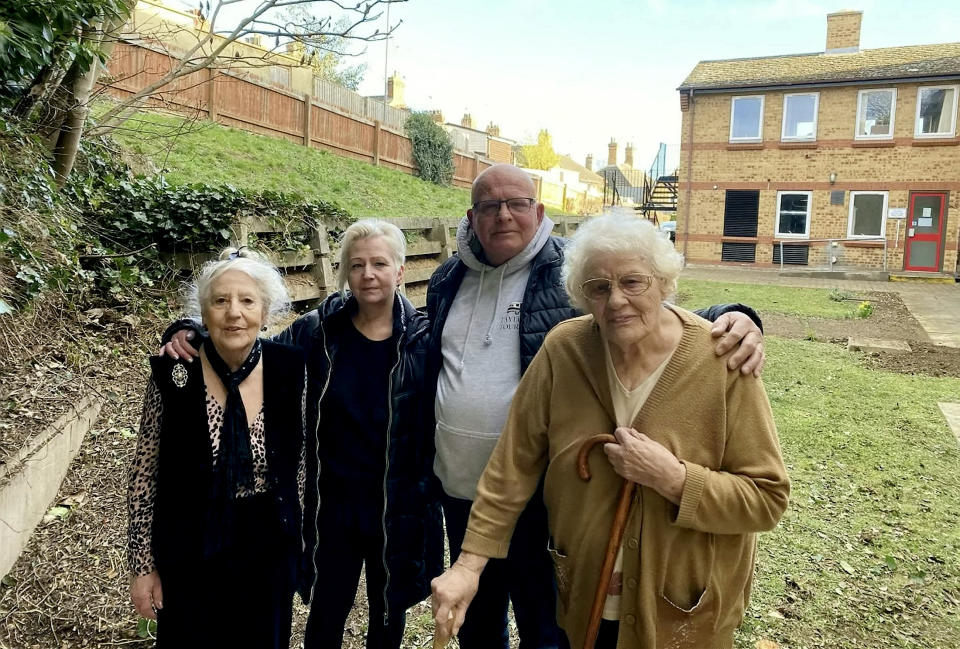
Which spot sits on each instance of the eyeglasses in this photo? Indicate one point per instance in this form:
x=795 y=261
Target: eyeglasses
x=599 y=288
x=517 y=206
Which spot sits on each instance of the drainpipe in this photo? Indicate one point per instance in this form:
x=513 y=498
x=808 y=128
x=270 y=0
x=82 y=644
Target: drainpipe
x=686 y=221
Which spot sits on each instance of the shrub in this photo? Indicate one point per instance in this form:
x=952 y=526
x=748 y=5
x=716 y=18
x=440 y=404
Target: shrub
x=432 y=148
x=864 y=309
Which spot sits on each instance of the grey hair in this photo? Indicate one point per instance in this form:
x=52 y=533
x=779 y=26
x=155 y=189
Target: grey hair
x=364 y=229
x=616 y=233
x=270 y=284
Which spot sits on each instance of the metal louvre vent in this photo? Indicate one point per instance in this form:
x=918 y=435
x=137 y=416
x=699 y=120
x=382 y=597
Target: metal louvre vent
x=740 y=211
x=743 y=252
x=793 y=254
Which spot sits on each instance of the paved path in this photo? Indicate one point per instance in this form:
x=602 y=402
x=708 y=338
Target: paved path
x=935 y=306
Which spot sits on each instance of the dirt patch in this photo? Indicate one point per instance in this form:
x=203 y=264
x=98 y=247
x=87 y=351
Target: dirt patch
x=890 y=320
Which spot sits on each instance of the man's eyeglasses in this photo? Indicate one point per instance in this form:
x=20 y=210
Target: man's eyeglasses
x=600 y=288
x=517 y=206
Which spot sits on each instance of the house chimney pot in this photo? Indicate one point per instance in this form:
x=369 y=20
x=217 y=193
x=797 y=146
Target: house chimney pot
x=589 y=164
x=628 y=156
x=612 y=153
x=467 y=121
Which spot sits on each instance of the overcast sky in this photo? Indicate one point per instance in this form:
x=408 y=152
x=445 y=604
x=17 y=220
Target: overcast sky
x=590 y=70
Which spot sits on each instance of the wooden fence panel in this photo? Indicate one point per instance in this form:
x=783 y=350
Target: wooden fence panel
x=254 y=105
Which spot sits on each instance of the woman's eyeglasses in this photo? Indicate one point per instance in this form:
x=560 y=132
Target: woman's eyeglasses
x=600 y=288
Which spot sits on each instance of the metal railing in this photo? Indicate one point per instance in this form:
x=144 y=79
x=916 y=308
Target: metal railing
x=832 y=252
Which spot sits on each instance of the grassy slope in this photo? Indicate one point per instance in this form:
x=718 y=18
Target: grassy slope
x=786 y=300
x=215 y=154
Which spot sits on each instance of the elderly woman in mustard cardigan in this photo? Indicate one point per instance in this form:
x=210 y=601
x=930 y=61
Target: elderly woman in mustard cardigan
x=695 y=441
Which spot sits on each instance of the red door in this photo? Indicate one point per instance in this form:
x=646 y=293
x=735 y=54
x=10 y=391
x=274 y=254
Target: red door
x=925 y=226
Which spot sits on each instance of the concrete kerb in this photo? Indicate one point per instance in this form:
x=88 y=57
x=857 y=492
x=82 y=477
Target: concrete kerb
x=30 y=480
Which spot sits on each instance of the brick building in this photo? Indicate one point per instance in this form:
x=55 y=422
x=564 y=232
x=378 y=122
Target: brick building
x=848 y=157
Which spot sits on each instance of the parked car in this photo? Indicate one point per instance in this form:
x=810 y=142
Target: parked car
x=669 y=229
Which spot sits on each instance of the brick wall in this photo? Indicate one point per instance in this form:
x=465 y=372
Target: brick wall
x=843 y=30
x=898 y=166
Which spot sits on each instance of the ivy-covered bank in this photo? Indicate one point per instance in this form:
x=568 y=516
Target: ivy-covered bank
x=107 y=234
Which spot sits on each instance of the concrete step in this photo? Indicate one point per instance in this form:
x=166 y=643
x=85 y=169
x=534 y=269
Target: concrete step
x=927 y=278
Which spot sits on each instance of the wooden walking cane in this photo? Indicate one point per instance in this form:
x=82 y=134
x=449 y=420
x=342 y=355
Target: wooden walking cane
x=616 y=535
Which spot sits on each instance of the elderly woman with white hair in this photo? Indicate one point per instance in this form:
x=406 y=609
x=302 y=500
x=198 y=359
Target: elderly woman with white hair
x=690 y=446
x=216 y=487
x=372 y=499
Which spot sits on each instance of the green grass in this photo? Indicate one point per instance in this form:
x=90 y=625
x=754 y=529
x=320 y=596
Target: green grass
x=765 y=298
x=210 y=153
x=866 y=555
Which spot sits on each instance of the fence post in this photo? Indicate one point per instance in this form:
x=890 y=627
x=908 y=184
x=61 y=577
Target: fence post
x=476 y=166
x=240 y=232
x=441 y=233
x=564 y=224
x=322 y=270
x=211 y=95
x=376 y=143
x=307 y=115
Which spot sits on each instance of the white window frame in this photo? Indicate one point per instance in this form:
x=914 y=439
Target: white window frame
x=953 y=112
x=776 y=217
x=883 y=216
x=733 y=103
x=816 y=117
x=893 y=114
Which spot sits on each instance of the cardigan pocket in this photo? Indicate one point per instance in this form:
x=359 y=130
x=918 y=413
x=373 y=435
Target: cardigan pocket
x=561 y=567
x=686 y=605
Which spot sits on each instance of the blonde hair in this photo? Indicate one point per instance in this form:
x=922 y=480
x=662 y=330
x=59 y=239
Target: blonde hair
x=364 y=229
x=269 y=281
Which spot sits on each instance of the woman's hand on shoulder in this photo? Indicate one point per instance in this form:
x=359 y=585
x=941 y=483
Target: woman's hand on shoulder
x=180 y=347
x=736 y=330
x=147 y=594
x=647 y=462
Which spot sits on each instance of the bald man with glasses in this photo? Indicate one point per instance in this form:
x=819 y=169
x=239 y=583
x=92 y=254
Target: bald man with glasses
x=490 y=307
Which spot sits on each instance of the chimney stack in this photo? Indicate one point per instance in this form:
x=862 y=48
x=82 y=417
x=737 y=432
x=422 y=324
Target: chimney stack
x=466 y=121
x=436 y=116
x=589 y=164
x=628 y=156
x=493 y=129
x=396 y=91
x=843 y=32
x=612 y=153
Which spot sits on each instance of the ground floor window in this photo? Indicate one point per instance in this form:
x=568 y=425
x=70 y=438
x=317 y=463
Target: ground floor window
x=868 y=212
x=793 y=214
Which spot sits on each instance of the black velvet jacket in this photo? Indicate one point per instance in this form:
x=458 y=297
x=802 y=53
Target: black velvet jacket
x=185 y=460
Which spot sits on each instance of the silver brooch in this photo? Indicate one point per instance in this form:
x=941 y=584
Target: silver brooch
x=179 y=375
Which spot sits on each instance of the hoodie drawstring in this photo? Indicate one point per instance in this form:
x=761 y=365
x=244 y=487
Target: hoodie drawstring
x=463 y=350
x=488 y=339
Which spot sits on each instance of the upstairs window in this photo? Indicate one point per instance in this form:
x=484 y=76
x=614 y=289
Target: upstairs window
x=936 y=111
x=876 y=110
x=793 y=214
x=800 y=116
x=746 y=119
x=868 y=215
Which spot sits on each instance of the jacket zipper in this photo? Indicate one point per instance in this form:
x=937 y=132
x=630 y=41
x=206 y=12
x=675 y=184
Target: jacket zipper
x=386 y=470
x=316 y=450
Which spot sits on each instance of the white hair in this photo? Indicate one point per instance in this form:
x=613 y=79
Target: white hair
x=616 y=233
x=270 y=284
x=364 y=229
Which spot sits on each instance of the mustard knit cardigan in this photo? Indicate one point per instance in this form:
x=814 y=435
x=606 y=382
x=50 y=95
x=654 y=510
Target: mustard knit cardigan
x=687 y=570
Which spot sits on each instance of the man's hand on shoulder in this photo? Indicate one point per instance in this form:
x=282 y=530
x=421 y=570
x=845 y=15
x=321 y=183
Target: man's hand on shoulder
x=180 y=347
x=735 y=328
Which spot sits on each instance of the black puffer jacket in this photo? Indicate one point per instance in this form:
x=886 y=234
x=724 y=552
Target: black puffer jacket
x=413 y=523
x=545 y=302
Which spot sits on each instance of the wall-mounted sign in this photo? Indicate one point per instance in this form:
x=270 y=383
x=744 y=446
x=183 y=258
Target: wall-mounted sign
x=897 y=213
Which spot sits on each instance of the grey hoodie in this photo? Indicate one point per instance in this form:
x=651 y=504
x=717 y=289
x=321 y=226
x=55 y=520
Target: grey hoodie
x=480 y=346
